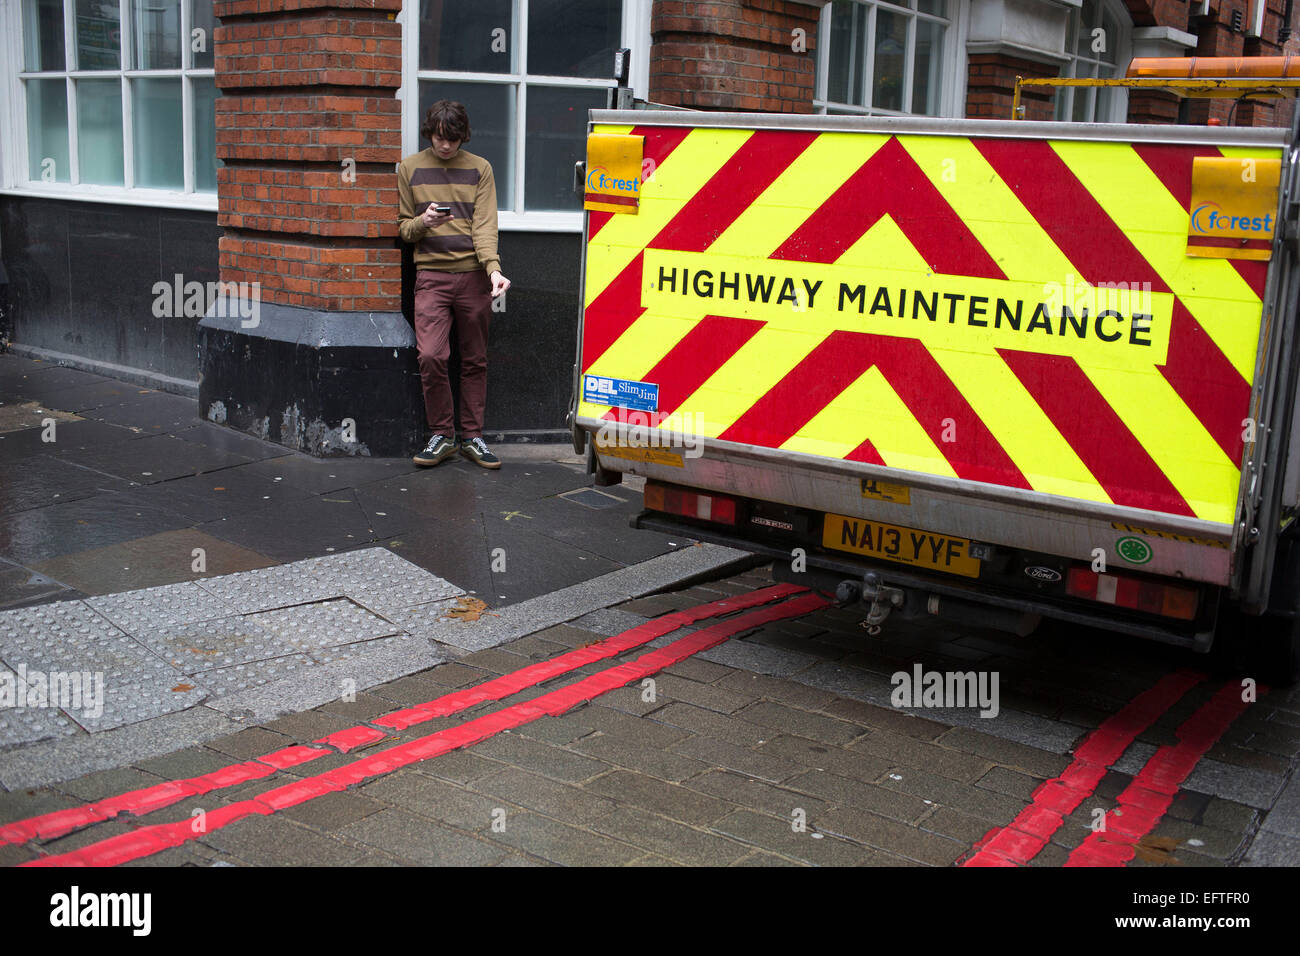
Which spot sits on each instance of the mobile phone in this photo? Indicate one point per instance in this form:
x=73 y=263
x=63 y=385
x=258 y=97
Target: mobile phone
x=442 y=210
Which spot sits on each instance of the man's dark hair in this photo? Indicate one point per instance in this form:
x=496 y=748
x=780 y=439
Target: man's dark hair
x=446 y=118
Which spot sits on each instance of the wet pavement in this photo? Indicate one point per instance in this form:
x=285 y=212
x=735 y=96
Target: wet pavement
x=106 y=487
x=354 y=662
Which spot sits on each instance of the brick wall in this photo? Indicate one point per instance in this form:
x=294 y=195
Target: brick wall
x=991 y=84
x=734 y=55
x=309 y=131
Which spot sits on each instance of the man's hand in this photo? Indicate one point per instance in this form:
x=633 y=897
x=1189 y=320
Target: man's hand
x=499 y=284
x=432 y=219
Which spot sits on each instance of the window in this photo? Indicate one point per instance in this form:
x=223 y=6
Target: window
x=527 y=72
x=1098 y=42
x=885 y=58
x=119 y=96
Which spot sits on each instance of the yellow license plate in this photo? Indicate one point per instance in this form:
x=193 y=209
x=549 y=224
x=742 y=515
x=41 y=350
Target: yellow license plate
x=904 y=545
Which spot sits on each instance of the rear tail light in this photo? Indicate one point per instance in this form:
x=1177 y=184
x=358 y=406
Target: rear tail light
x=1140 y=594
x=690 y=504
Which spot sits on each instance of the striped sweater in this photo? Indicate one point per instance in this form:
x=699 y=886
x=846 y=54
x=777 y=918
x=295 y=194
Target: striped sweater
x=469 y=241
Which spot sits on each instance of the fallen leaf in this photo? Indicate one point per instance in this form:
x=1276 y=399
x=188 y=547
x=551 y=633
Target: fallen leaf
x=181 y=688
x=467 y=609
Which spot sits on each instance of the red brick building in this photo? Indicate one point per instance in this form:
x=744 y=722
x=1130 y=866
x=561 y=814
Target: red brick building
x=167 y=145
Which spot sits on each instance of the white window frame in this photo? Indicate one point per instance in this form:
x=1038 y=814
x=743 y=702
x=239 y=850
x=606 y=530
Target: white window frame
x=1064 y=108
x=15 y=175
x=635 y=36
x=952 y=83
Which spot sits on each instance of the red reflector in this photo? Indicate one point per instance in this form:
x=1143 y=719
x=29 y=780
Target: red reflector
x=1140 y=594
x=1081 y=582
x=689 y=504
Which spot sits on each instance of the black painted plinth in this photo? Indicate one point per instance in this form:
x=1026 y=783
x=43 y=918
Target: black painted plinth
x=299 y=376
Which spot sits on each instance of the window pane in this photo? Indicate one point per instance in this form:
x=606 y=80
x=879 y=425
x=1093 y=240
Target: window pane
x=1087 y=22
x=1061 y=108
x=475 y=37
x=891 y=41
x=491 y=111
x=848 y=44
x=936 y=7
x=206 y=162
x=99 y=36
x=43 y=35
x=1082 y=112
x=557 y=136
x=47 y=130
x=156 y=39
x=574 y=37
x=159 y=139
x=99 y=131
x=201 y=19
x=927 y=68
x=1104 y=105
x=1111 y=36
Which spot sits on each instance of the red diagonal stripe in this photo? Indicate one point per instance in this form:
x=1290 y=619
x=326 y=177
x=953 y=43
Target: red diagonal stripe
x=866 y=452
x=691 y=362
x=153 y=839
x=1101 y=440
x=838 y=361
x=1173 y=167
x=660 y=141
x=1067 y=212
x=1019 y=841
x=138 y=802
x=731 y=190
x=702 y=219
x=1207 y=382
x=891 y=183
x=612 y=312
x=1144 y=802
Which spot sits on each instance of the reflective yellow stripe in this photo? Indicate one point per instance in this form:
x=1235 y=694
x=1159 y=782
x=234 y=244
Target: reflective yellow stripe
x=749 y=375
x=1175 y=439
x=676 y=180
x=1023 y=250
x=796 y=194
x=1020 y=426
x=1156 y=223
x=871 y=409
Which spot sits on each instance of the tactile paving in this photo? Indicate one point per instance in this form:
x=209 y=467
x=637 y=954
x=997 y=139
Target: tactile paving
x=207 y=645
x=247 y=592
x=310 y=627
x=70 y=636
x=223 y=681
x=129 y=703
x=21 y=724
x=165 y=606
x=329 y=655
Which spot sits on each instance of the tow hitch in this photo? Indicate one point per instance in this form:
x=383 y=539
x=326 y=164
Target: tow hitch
x=881 y=598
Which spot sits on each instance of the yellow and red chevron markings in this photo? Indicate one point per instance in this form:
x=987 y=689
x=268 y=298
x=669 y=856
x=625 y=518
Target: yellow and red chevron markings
x=1157 y=427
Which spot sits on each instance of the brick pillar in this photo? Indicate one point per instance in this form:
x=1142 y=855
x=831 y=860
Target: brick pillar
x=991 y=87
x=735 y=55
x=309 y=129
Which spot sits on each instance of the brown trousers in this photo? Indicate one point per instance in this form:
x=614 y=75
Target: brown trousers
x=442 y=298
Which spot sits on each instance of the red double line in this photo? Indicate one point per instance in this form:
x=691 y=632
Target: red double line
x=140 y=802
x=1021 y=840
x=1145 y=800
x=153 y=839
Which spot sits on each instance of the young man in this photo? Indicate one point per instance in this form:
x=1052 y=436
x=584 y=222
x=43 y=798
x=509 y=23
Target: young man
x=448 y=211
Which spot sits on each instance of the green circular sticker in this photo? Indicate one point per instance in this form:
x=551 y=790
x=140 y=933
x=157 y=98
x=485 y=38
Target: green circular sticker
x=1133 y=550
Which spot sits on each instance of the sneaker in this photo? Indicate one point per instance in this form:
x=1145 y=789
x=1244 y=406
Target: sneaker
x=439 y=449
x=476 y=451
